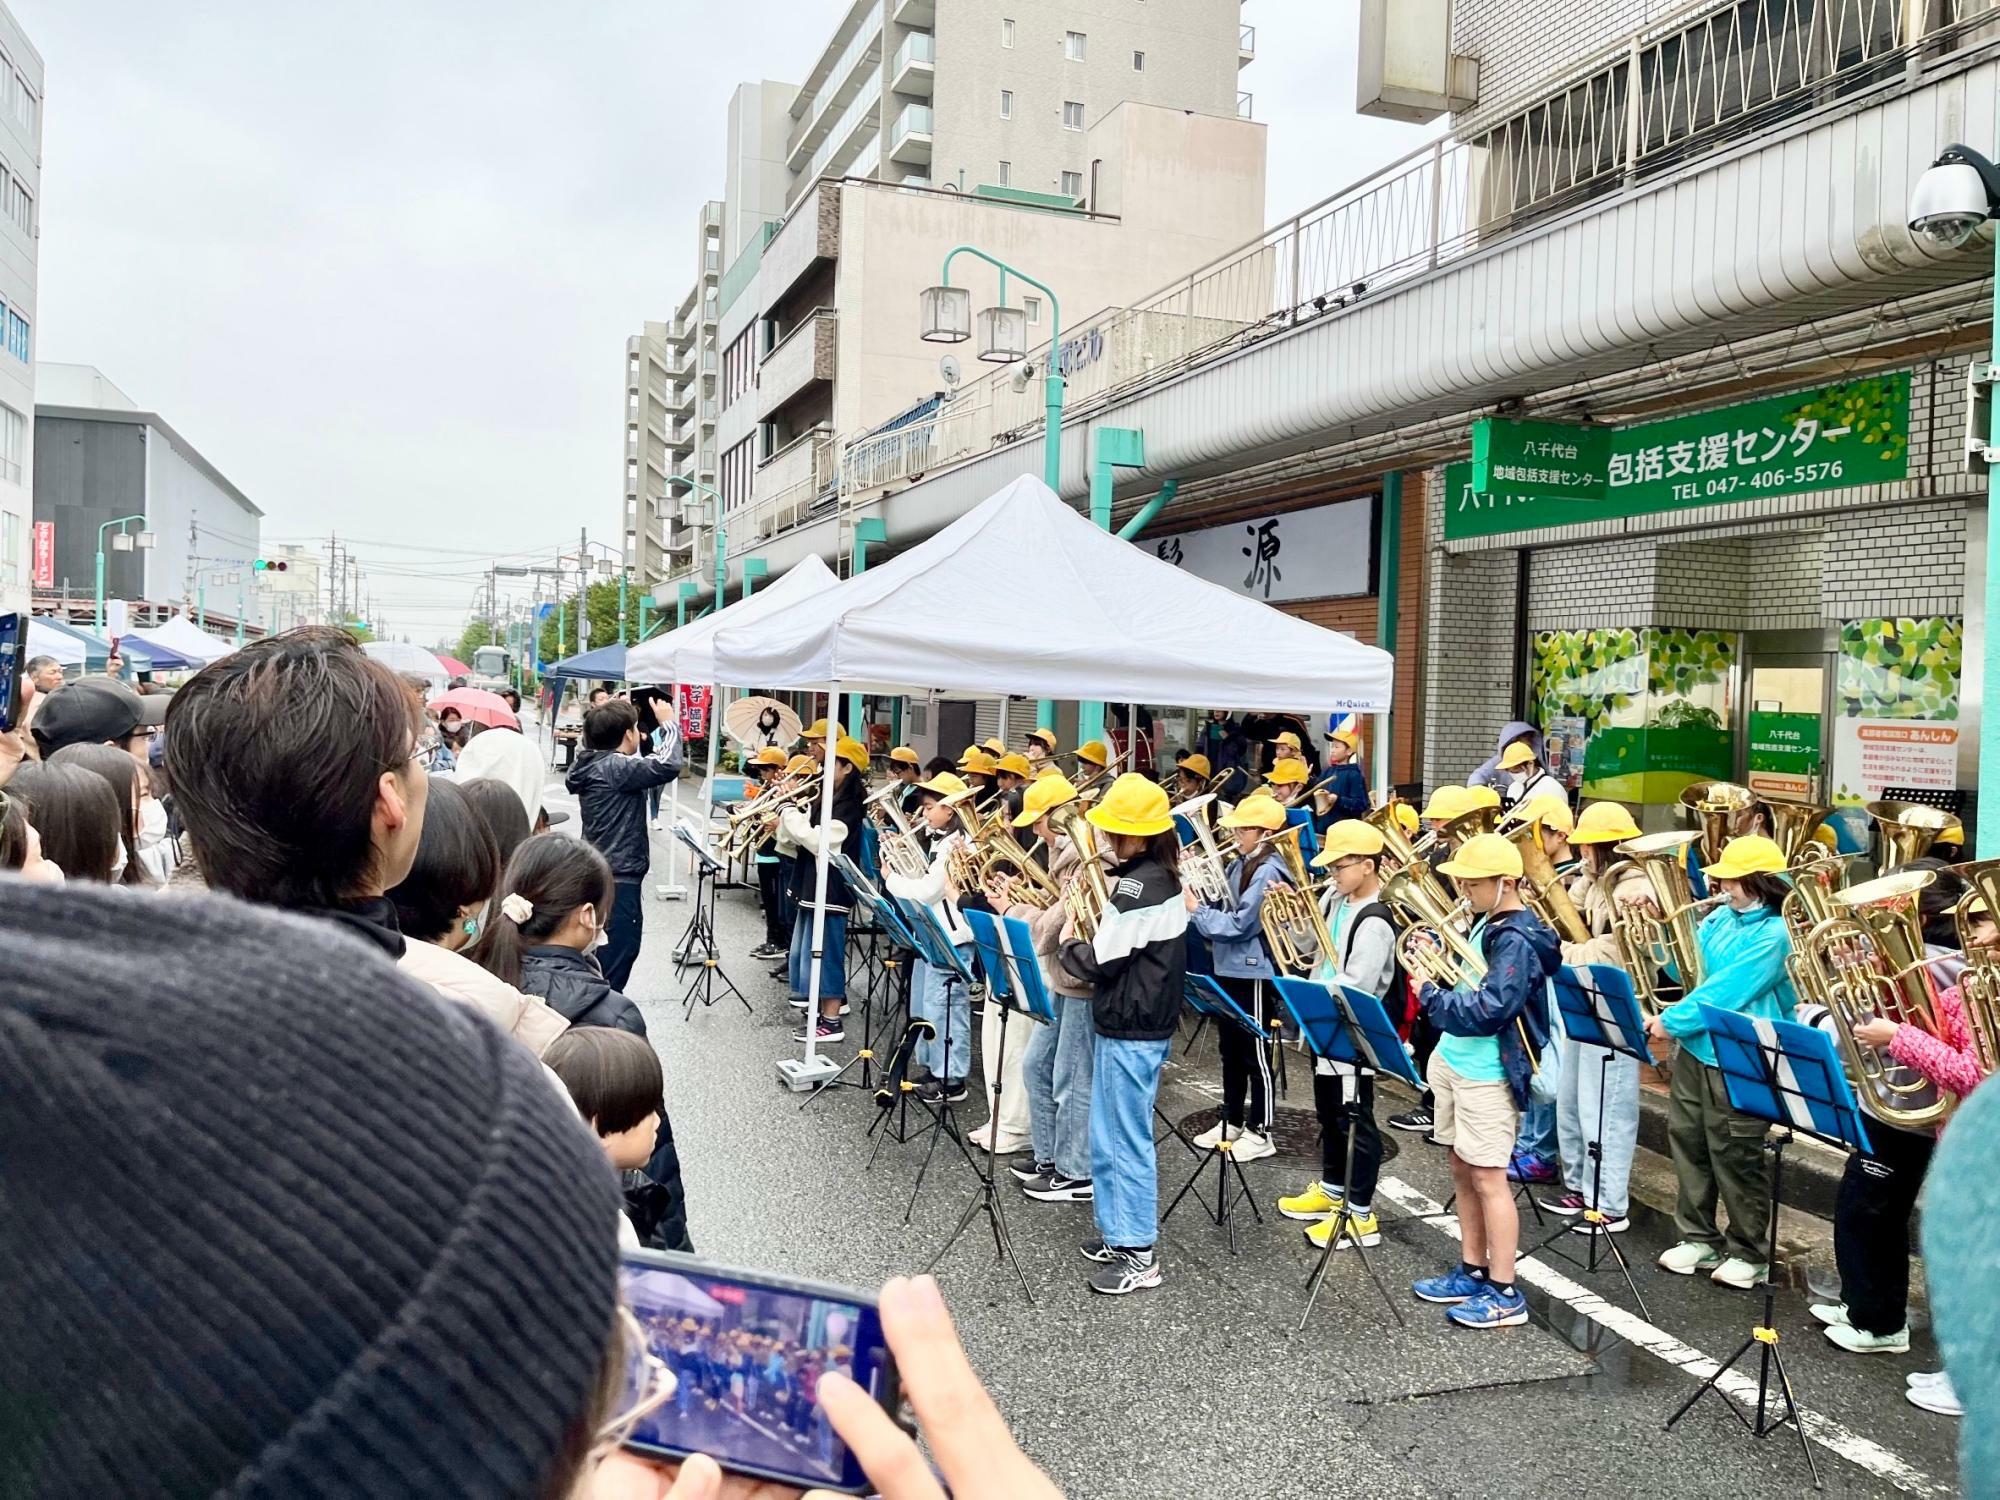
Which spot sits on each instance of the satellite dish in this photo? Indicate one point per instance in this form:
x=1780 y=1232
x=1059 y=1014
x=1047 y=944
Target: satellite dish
x=948 y=370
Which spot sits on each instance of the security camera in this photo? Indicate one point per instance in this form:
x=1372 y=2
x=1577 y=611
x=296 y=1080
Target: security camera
x=1957 y=193
x=1024 y=373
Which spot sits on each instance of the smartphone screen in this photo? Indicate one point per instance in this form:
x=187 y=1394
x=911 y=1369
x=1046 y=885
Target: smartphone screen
x=13 y=636
x=747 y=1350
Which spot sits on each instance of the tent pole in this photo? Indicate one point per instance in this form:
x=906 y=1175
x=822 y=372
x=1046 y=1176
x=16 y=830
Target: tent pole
x=674 y=890
x=813 y=1066
x=1003 y=722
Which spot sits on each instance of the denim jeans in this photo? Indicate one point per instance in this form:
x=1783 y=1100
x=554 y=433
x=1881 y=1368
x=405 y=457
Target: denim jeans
x=1057 y=1072
x=940 y=997
x=832 y=958
x=1125 y=1079
x=1577 y=1122
x=1537 y=1135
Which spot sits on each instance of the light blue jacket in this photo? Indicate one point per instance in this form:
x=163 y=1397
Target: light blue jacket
x=1743 y=956
x=1236 y=935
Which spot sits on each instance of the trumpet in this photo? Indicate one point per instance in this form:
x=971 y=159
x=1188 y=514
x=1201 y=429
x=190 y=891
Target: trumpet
x=1979 y=985
x=1661 y=858
x=1722 y=807
x=1871 y=963
x=1088 y=894
x=753 y=822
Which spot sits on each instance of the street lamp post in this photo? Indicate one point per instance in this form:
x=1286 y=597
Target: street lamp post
x=1958 y=194
x=125 y=541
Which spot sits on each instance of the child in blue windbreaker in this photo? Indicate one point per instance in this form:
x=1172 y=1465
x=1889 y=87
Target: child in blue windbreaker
x=1717 y=1151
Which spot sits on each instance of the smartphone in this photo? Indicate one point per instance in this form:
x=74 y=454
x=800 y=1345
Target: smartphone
x=13 y=640
x=747 y=1349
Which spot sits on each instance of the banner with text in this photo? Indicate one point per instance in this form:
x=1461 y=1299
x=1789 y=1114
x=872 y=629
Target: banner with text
x=45 y=554
x=1325 y=552
x=1528 y=475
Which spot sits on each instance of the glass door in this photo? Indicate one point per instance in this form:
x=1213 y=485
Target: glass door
x=1784 y=707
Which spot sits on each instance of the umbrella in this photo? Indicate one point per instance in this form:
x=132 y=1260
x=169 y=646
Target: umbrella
x=487 y=708
x=756 y=722
x=453 y=665
x=401 y=656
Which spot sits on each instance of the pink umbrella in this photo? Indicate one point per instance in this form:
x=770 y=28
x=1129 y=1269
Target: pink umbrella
x=486 y=708
x=454 y=666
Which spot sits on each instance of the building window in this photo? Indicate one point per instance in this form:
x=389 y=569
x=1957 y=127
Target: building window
x=1006 y=174
x=25 y=104
x=1006 y=32
x=13 y=443
x=20 y=206
x=1006 y=104
x=10 y=547
x=1072 y=115
x=1073 y=45
x=1138 y=62
x=1033 y=307
x=1072 y=184
x=17 y=336
x=737 y=465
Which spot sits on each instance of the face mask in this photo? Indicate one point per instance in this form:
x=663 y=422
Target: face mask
x=152 y=822
x=597 y=937
x=118 y=863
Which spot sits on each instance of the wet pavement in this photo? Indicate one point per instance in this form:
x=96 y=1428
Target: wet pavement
x=1204 y=1387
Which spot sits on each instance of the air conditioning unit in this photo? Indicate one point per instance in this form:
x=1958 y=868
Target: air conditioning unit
x=1406 y=69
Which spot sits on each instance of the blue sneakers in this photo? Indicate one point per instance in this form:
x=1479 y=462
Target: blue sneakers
x=1490 y=1308
x=1456 y=1285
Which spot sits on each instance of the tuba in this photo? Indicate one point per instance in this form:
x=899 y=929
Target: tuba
x=1871 y=962
x=1806 y=906
x=1293 y=924
x=1544 y=891
x=1088 y=894
x=1469 y=825
x=1661 y=859
x=1908 y=830
x=1979 y=985
x=1722 y=808
x=1397 y=845
x=1792 y=827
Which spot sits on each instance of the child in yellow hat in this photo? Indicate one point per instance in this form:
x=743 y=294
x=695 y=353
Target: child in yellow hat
x=802 y=825
x=937 y=994
x=768 y=766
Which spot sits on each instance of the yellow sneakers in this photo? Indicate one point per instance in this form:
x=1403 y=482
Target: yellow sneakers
x=1314 y=1203
x=1364 y=1227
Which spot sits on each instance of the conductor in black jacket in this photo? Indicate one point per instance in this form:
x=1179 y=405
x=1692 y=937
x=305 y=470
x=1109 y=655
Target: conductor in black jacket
x=610 y=781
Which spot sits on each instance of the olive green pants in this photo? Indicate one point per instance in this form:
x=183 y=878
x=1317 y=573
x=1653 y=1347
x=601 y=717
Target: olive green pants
x=1717 y=1151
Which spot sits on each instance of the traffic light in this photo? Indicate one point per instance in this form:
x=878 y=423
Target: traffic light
x=270 y=565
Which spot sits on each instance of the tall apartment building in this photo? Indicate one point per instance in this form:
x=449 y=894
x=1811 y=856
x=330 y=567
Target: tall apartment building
x=20 y=234
x=647 y=418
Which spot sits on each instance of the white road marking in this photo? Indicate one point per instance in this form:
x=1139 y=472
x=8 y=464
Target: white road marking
x=1635 y=1330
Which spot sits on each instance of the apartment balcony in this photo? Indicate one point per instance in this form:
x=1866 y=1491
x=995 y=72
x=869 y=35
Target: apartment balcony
x=809 y=237
x=915 y=71
x=910 y=141
x=682 y=404
x=801 y=359
x=680 y=440
x=859 y=62
x=916 y=13
x=711 y=216
x=1244 y=101
x=1246 y=46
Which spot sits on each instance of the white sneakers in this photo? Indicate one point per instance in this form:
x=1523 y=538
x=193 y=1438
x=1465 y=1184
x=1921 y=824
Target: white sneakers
x=1739 y=1273
x=1688 y=1257
x=1212 y=1137
x=1930 y=1390
x=1250 y=1146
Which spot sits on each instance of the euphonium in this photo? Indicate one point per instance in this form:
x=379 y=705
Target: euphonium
x=1543 y=891
x=1979 y=985
x=1088 y=894
x=1721 y=807
x=1661 y=859
x=1428 y=912
x=1792 y=827
x=1397 y=845
x=1000 y=851
x=1469 y=825
x=1908 y=830
x=1293 y=924
x=1202 y=867
x=1806 y=906
x=1870 y=954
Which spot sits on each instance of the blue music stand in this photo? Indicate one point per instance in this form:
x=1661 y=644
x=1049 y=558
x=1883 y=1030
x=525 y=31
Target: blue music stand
x=1599 y=1009
x=1790 y=1075
x=1208 y=998
x=1345 y=1025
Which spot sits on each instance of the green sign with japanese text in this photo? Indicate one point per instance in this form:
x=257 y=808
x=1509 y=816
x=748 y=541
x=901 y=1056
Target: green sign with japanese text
x=1785 y=743
x=1840 y=435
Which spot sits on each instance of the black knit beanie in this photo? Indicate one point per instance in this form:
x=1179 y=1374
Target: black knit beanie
x=276 y=1221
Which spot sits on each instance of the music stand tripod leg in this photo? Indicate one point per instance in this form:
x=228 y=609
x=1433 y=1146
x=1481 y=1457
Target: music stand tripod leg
x=1343 y=1220
x=1594 y=1215
x=987 y=1199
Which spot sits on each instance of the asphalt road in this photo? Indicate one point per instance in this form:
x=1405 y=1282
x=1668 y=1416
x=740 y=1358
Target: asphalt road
x=1204 y=1387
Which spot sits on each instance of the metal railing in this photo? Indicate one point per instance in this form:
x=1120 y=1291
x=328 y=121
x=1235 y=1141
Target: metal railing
x=1246 y=41
x=864 y=104
x=1730 y=70
x=1245 y=102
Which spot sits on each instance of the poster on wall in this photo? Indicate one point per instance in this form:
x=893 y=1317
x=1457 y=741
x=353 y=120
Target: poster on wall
x=1897 y=719
x=1324 y=552
x=1564 y=739
x=1784 y=755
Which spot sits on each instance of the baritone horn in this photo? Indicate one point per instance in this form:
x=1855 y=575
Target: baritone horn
x=1979 y=985
x=1661 y=858
x=1088 y=894
x=1543 y=889
x=1293 y=924
x=1202 y=867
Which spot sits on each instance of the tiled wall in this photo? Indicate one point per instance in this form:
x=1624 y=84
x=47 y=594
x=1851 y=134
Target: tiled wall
x=1523 y=48
x=1468 y=652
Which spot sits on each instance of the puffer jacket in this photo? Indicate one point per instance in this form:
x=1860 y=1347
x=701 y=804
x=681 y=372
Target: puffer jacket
x=1137 y=962
x=802 y=828
x=518 y=1012
x=1521 y=956
x=610 y=789
x=576 y=988
x=1489 y=772
x=1235 y=933
x=1046 y=923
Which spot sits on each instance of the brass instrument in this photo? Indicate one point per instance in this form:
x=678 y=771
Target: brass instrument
x=1792 y=827
x=1293 y=924
x=1661 y=858
x=1808 y=904
x=1398 y=846
x=1448 y=958
x=1979 y=985
x=1908 y=830
x=1543 y=888
x=1203 y=869
x=1470 y=824
x=1088 y=894
x=1870 y=957
x=755 y=821
x=999 y=851
x=1722 y=808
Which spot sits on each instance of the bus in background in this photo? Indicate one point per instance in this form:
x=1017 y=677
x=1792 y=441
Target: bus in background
x=492 y=669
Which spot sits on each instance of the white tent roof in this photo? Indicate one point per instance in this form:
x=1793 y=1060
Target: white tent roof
x=45 y=640
x=1023 y=595
x=185 y=638
x=401 y=656
x=688 y=654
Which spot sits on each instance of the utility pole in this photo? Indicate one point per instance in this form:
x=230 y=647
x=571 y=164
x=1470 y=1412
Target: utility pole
x=583 y=589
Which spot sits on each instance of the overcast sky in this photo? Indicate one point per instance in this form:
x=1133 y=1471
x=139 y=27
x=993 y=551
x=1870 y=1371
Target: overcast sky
x=378 y=261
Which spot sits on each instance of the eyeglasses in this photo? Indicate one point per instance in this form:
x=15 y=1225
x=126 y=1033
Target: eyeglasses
x=648 y=1386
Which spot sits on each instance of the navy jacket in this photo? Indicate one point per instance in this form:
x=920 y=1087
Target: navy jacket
x=611 y=788
x=575 y=987
x=1349 y=788
x=1521 y=957
x=1136 y=966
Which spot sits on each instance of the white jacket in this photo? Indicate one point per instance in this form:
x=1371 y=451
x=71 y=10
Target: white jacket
x=796 y=826
x=934 y=890
x=526 y=1018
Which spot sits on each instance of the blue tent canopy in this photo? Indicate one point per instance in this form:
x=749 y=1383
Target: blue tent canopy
x=606 y=663
x=96 y=649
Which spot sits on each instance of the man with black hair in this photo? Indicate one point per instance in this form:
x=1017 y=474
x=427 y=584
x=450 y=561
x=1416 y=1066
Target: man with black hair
x=610 y=781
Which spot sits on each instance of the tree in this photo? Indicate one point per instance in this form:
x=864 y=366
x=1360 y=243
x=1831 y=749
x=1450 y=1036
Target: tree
x=477 y=633
x=602 y=602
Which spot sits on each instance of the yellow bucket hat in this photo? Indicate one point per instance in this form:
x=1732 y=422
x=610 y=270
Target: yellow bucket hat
x=1257 y=811
x=1345 y=839
x=853 y=752
x=1287 y=773
x=1196 y=765
x=1043 y=794
x=976 y=761
x=1135 y=806
x=1477 y=797
x=1446 y=803
x=995 y=747
x=770 y=755
x=1092 y=752
x=903 y=755
x=1484 y=857
x=1014 y=763
x=1604 y=823
x=1549 y=810
x=817 y=730
x=1406 y=817
x=798 y=765
x=1752 y=854
x=1288 y=738
x=1047 y=737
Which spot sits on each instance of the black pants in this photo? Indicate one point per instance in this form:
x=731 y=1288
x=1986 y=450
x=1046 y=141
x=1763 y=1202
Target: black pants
x=1423 y=1042
x=1333 y=1136
x=788 y=901
x=1246 y=1062
x=623 y=933
x=1871 y=1227
x=770 y=890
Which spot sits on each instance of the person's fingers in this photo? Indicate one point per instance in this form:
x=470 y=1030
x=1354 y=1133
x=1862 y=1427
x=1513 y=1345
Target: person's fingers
x=625 y=1476
x=963 y=1425
x=700 y=1478
x=893 y=1463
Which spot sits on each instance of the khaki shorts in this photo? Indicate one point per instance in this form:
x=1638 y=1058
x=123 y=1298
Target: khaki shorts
x=1477 y=1120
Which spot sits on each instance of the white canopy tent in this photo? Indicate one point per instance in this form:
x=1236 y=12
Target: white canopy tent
x=1099 y=619
x=45 y=640
x=183 y=637
x=687 y=654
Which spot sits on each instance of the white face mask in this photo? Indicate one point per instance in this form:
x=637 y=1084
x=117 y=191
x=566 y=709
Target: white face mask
x=152 y=822
x=597 y=937
x=118 y=863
